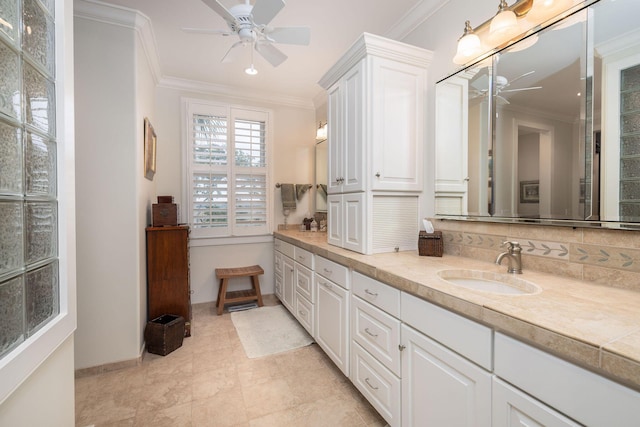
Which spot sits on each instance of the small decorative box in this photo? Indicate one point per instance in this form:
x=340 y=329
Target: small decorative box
x=164 y=214
x=430 y=244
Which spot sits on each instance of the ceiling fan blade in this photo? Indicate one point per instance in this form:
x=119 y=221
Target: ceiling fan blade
x=220 y=10
x=289 y=35
x=229 y=56
x=265 y=10
x=521 y=89
x=271 y=53
x=519 y=77
x=206 y=31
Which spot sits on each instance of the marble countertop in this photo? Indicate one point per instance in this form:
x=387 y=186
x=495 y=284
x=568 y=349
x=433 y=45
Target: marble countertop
x=595 y=326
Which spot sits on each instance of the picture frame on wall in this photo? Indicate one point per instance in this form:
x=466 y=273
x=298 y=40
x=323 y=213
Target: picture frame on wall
x=530 y=191
x=149 y=150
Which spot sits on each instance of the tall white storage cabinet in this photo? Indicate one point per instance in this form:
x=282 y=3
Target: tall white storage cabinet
x=376 y=97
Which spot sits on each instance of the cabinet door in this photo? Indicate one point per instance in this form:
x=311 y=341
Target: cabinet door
x=332 y=328
x=335 y=139
x=512 y=408
x=397 y=125
x=353 y=220
x=279 y=287
x=334 y=220
x=304 y=282
x=441 y=388
x=353 y=129
x=288 y=284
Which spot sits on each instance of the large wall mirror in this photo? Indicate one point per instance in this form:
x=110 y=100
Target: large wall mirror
x=547 y=129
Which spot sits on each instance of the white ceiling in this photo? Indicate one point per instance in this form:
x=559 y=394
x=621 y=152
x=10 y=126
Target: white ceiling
x=334 y=24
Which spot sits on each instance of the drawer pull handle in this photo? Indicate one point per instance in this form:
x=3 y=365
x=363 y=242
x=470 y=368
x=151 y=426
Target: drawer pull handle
x=327 y=285
x=370 y=333
x=401 y=347
x=366 y=380
x=368 y=292
x=302 y=313
x=328 y=271
x=301 y=257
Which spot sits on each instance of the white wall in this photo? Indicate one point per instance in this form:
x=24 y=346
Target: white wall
x=293 y=157
x=110 y=192
x=46 y=398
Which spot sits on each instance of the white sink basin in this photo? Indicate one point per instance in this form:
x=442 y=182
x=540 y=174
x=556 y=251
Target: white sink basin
x=486 y=281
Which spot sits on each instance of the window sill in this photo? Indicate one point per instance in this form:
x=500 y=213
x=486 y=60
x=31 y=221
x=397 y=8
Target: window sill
x=235 y=240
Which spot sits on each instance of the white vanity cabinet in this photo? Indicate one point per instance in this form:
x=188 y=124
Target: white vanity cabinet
x=332 y=311
x=375 y=114
x=579 y=394
x=304 y=289
x=375 y=345
x=440 y=387
x=285 y=280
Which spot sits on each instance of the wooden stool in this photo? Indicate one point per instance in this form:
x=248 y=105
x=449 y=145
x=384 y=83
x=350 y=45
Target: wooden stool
x=224 y=297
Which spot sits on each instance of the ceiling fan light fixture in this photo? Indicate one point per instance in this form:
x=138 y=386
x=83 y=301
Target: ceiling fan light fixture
x=251 y=71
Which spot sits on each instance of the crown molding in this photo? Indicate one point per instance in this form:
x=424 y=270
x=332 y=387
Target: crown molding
x=414 y=18
x=110 y=14
x=241 y=94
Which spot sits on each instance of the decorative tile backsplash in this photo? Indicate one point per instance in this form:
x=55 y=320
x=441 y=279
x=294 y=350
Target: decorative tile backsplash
x=608 y=257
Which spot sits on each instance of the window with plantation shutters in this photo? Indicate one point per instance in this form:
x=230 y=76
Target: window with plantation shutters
x=228 y=170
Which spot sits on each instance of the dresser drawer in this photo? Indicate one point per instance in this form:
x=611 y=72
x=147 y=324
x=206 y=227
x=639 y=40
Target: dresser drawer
x=284 y=247
x=338 y=274
x=304 y=282
x=377 y=332
x=381 y=388
x=377 y=293
x=303 y=256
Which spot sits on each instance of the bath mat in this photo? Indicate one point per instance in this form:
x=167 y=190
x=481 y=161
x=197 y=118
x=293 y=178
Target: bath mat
x=269 y=330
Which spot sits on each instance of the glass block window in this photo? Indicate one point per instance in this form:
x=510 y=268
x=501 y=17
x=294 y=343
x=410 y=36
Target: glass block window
x=29 y=265
x=629 y=144
x=227 y=170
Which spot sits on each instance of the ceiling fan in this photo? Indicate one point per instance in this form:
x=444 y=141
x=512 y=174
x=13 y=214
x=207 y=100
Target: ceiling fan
x=503 y=85
x=250 y=24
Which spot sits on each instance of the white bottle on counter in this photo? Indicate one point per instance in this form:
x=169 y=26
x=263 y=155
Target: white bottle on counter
x=314 y=225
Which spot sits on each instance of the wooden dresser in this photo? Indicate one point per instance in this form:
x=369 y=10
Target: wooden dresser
x=168 y=290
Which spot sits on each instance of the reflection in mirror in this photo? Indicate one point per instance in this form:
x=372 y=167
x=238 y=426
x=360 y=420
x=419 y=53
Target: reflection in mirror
x=548 y=128
x=321 y=176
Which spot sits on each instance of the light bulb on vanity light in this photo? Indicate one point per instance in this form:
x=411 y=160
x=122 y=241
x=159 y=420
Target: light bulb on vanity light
x=504 y=26
x=469 y=46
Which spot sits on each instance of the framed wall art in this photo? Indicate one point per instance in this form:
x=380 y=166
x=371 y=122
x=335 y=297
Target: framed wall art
x=530 y=191
x=149 y=150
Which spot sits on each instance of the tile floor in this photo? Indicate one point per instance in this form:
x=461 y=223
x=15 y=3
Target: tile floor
x=209 y=381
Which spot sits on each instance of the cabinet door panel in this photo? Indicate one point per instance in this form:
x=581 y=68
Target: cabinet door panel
x=441 y=388
x=512 y=408
x=352 y=121
x=334 y=219
x=288 y=284
x=354 y=218
x=332 y=328
x=335 y=138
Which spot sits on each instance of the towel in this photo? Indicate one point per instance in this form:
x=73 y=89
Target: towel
x=301 y=189
x=322 y=188
x=288 y=193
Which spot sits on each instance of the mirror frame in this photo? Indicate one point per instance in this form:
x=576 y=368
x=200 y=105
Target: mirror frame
x=585 y=223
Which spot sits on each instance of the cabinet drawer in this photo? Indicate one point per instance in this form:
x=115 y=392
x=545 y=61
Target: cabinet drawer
x=303 y=256
x=278 y=286
x=284 y=247
x=277 y=262
x=333 y=271
x=377 y=293
x=304 y=282
x=581 y=394
x=304 y=313
x=377 y=332
x=377 y=384
x=466 y=337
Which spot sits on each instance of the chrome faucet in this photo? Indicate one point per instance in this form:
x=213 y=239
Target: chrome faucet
x=513 y=255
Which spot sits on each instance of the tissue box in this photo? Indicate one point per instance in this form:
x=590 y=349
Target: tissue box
x=430 y=244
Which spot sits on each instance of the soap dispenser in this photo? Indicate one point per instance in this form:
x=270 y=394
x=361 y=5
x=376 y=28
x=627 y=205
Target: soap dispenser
x=314 y=225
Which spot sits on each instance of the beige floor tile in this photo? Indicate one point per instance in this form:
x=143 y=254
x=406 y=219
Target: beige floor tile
x=209 y=381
